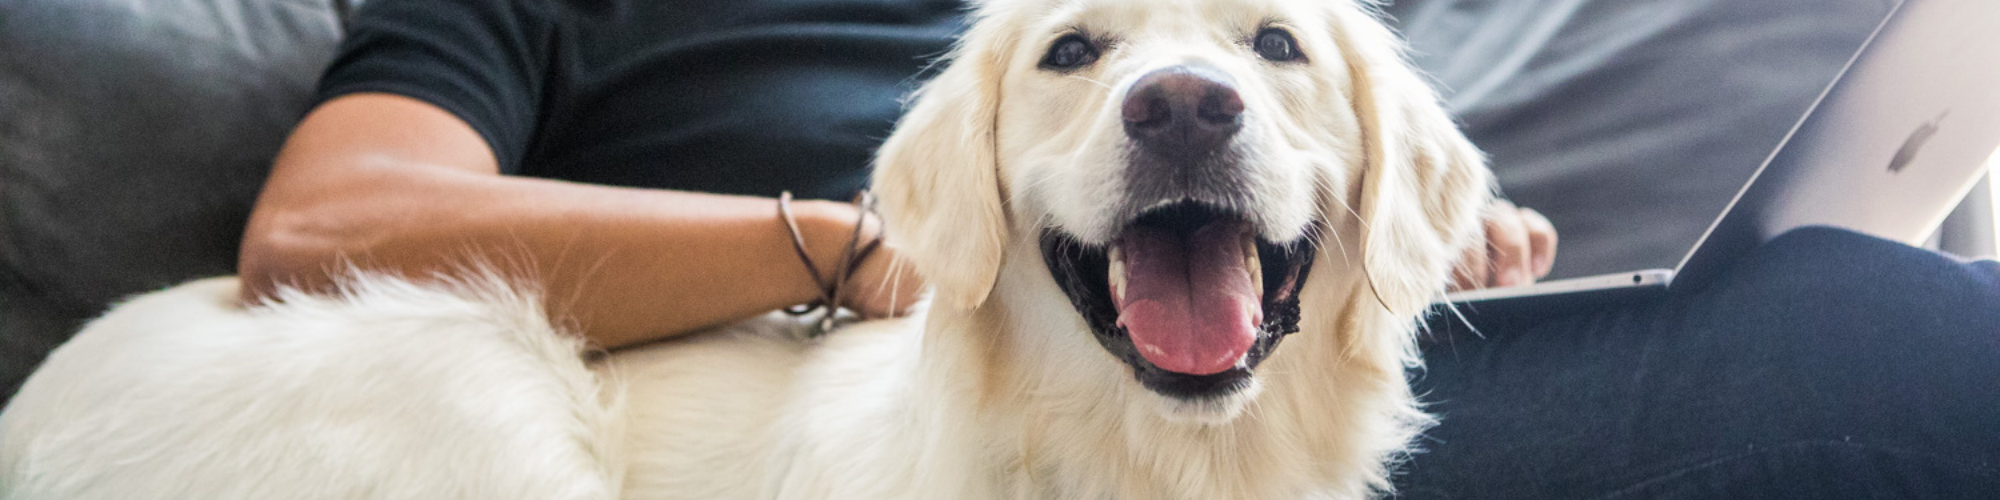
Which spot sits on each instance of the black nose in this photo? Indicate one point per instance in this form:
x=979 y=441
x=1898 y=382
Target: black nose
x=1182 y=111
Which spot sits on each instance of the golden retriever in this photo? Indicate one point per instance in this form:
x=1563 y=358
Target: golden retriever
x=1124 y=206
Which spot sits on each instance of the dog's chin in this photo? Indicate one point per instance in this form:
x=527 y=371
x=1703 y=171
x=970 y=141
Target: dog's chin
x=1212 y=410
x=1190 y=298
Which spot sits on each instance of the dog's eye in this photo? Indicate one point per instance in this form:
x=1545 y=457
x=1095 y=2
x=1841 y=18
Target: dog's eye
x=1277 y=45
x=1069 y=52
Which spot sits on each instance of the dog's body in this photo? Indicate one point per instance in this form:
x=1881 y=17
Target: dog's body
x=1038 y=373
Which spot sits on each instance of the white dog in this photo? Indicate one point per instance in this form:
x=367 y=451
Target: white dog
x=1124 y=206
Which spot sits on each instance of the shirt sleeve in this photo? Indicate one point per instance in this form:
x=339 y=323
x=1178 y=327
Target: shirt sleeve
x=485 y=61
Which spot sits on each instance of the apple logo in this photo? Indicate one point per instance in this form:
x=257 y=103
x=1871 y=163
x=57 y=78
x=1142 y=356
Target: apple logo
x=1915 y=142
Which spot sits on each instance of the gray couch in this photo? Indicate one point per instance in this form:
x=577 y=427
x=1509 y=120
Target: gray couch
x=134 y=137
x=134 y=133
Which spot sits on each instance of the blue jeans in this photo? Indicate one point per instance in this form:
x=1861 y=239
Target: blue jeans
x=1826 y=364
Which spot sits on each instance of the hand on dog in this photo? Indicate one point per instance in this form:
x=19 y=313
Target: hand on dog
x=886 y=285
x=1520 y=248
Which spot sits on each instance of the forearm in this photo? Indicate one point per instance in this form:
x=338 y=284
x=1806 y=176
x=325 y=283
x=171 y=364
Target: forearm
x=628 y=265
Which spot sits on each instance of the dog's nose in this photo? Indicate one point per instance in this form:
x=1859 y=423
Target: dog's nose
x=1182 y=110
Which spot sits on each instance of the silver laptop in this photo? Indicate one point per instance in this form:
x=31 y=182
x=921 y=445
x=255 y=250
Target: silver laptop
x=1887 y=150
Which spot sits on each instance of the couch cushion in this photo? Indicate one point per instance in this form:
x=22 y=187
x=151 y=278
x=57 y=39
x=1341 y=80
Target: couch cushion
x=135 y=137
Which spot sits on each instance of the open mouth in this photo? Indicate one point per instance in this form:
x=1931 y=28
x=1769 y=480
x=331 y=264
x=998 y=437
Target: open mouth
x=1186 y=294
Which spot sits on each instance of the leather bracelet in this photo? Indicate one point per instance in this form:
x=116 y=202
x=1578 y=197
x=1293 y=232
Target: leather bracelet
x=832 y=285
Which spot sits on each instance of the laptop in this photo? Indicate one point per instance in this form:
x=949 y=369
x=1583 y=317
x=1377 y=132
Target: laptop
x=1887 y=149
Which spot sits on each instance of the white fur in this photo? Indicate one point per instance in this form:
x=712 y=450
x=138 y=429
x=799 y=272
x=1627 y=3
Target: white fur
x=463 y=390
x=392 y=391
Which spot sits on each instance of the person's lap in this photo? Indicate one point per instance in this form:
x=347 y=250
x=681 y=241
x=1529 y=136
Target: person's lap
x=1827 y=364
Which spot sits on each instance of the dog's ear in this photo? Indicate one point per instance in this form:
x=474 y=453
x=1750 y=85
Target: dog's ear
x=937 y=178
x=1424 y=186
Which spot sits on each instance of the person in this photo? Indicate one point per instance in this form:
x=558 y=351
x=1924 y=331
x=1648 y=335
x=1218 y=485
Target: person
x=628 y=153
x=1825 y=364
x=646 y=153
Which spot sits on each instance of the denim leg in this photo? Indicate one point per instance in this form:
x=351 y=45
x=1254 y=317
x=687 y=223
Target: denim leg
x=1826 y=364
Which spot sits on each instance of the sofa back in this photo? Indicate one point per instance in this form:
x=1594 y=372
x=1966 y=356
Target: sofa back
x=134 y=136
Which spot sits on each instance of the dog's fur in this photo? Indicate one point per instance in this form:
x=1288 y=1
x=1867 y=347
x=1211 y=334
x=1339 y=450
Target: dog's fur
x=464 y=390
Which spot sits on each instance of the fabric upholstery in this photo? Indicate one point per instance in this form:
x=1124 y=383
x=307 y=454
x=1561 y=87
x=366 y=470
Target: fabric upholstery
x=135 y=137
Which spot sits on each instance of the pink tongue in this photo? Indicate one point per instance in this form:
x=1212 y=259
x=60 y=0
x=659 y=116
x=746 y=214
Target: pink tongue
x=1189 y=304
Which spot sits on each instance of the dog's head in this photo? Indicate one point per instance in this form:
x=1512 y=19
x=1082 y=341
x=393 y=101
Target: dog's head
x=1180 y=166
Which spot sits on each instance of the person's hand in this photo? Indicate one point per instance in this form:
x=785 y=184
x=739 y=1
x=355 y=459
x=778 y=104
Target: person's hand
x=886 y=285
x=1520 y=248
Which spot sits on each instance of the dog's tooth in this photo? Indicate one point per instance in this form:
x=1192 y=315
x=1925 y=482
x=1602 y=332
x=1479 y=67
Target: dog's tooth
x=1253 y=264
x=1116 y=273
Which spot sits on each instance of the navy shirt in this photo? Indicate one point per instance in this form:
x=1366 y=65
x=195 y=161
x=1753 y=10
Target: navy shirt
x=740 y=96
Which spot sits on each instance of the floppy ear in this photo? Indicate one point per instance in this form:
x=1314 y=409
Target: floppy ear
x=1424 y=186
x=937 y=178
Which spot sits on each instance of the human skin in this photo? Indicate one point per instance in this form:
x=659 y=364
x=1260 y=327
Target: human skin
x=1520 y=248
x=391 y=183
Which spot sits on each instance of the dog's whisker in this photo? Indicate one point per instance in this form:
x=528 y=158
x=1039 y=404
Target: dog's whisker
x=1092 y=81
x=1326 y=186
x=1357 y=218
x=895 y=282
x=1366 y=275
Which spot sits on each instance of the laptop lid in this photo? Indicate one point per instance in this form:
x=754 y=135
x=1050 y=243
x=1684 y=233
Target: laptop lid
x=1890 y=146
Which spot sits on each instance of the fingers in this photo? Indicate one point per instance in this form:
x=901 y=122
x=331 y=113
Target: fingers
x=1520 y=248
x=1507 y=238
x=1473 y=269
x=1541 y=241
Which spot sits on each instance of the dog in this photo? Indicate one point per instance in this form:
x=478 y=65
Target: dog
x=1179 y=249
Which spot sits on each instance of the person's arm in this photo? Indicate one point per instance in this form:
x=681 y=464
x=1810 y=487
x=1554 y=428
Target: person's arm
x=396 y=184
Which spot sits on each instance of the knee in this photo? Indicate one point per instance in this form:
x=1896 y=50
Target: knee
x=1832 y=267
x=1860 y=299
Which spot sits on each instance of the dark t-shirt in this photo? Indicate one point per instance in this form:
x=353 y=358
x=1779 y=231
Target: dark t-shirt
x=738 y=96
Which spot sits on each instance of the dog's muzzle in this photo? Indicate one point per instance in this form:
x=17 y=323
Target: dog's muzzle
x=1185 y=290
